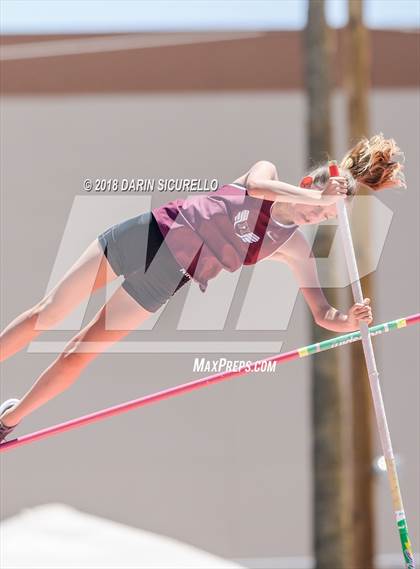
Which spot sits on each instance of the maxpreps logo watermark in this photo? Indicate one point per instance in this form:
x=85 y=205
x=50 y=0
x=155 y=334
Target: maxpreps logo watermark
x=220 y=365
x=242 y=312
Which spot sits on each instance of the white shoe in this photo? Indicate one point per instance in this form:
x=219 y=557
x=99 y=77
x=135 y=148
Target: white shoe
x=5 y=430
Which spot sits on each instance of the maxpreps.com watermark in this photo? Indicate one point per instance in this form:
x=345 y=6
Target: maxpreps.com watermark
x=147 y=185
x=204 y=365
x=207 y=337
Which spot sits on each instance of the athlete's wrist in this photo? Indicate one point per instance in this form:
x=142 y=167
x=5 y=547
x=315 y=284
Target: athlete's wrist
x=333 y=319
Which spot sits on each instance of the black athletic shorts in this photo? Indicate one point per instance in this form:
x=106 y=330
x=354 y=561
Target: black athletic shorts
x=136 y=249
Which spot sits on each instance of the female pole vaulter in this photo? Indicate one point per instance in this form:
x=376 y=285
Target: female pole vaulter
x=256 y=217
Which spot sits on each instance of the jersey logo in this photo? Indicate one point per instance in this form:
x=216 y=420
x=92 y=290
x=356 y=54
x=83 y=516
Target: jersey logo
x=242 y=229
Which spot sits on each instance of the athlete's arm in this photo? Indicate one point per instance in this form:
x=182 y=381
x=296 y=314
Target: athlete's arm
x=262 y=182
x=297 y=254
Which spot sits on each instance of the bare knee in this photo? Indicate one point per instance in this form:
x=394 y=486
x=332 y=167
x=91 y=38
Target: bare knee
x=87 y=345
x=77 y=354
x=47 y=313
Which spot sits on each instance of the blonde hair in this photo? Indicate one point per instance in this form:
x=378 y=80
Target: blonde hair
x=369 y=162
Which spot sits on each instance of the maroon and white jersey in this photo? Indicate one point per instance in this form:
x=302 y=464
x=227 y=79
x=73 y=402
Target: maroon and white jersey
x=222 y=230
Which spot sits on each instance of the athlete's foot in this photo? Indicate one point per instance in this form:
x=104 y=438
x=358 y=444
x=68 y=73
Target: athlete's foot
x=5 y=427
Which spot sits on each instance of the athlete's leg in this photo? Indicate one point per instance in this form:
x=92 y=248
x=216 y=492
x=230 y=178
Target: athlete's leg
x=125 y=315
x=90 y=272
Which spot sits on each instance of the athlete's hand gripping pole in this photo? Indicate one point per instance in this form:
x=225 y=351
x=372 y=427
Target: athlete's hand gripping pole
x=374 y=380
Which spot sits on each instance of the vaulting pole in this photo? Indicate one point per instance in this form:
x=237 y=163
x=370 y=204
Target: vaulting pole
x=374 y=381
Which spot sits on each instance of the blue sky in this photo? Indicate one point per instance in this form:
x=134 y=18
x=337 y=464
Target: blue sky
x=40 y=16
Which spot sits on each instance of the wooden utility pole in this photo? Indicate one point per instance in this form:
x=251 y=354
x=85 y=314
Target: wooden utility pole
x=328 y=483
x=357 y=86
